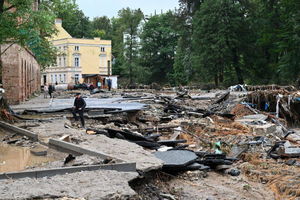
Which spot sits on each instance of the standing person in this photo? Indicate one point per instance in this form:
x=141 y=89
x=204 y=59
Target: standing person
x=45 y=91
x=50 y=90
x=99 y=84
x=79 y=106
x=109 y=84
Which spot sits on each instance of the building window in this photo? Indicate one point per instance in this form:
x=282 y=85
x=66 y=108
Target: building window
x=59 y=61
x=55 y=79
x=76 y=48
x=65 y=63
x=65 y=47
x=102 y=49
x=65 y=80
x=76 y=78
x=60 y=79
x=76 y=62
x=52 y=80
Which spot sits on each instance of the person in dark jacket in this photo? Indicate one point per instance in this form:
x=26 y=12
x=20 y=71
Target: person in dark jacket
x=109 y=82
x=79 y=106
x=50 y=90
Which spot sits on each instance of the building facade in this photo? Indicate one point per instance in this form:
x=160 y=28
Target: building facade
x=77 y=58
x=20 y=74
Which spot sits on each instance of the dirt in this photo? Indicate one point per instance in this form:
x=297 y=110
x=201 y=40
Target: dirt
x=199 y=185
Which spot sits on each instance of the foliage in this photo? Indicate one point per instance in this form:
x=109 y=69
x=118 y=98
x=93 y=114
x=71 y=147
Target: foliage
x=217 y=39
x=103 y=27
x=159 y=41
x=289 y=40
x=126 y=40
x=20 y=24
x=73 y=19
x=221 y=41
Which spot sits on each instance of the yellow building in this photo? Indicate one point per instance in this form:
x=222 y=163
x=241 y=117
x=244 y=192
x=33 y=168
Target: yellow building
x=77 y=58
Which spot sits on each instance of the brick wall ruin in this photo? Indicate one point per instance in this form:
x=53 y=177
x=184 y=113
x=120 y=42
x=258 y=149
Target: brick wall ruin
x=20 y=74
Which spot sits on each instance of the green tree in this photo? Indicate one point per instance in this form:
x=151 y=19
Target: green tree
x=159 y=42
x=289 y=41
x=20 y=24
x=103 y=27
x=126 y=30
x=217 y=39
x=74 y=20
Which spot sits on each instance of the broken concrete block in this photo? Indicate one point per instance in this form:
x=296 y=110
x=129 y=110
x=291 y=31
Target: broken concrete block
x=176 y=160
x=263 y=129
x=257 y=117
x=287 y=150
x=294 y=138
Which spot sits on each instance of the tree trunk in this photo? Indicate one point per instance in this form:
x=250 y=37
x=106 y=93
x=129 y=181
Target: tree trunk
x=1 y=6
x=130 y=63
x=237 y=68
x=216 y=80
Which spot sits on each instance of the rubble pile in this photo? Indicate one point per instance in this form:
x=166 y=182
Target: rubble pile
x=282 y=103
x=234 y=133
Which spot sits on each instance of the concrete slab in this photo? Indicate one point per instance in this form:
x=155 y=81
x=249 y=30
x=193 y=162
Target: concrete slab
x=122 y=167
x=92 y=103
x=257 y=117
x=263 y=129
x=124 y=150
x=20 y=131
x=176 y=158
x=81 y=185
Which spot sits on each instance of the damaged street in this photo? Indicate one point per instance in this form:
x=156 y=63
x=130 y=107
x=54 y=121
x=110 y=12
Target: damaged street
x=156 y=144
x=149 y=100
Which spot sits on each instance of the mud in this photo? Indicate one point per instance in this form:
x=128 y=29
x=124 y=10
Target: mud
x=15 y=158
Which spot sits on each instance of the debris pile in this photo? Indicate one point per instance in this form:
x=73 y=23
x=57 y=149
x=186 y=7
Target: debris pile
x=237 y=132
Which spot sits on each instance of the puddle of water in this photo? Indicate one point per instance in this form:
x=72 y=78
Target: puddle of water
x=14 y=158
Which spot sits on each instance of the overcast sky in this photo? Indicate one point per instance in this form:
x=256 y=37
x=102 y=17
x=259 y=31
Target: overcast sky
x=110 y=8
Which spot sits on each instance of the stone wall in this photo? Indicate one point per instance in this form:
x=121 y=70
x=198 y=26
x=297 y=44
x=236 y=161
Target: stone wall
x=20 y=74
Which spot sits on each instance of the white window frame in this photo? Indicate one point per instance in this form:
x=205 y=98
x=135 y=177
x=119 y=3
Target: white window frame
x=76 y=61
x=76 y=48
x=76 y=78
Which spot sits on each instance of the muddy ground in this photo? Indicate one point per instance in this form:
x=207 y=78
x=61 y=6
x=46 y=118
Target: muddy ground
x=203 y=121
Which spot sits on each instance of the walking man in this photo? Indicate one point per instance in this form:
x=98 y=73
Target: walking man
x=109 y=84
x=50 y=90
x=79 y=106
